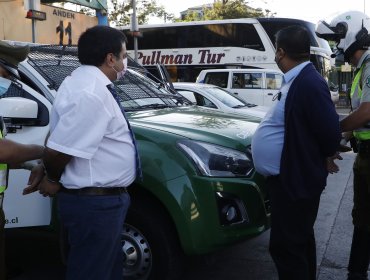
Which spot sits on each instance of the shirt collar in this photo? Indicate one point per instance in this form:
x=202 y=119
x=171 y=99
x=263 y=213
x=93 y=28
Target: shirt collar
x=363 y=57
x=292 y=73
x=94 y=71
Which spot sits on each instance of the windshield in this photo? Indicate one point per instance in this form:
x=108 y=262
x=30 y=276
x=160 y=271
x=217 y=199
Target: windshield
x=273 y=25
x=227 y=98
x=135 y=91
x=54 y=63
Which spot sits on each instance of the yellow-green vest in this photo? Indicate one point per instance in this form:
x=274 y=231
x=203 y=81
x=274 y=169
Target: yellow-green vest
x=3 y=172
x=356 y=94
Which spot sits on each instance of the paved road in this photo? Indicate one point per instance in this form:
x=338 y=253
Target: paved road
x=248 y=261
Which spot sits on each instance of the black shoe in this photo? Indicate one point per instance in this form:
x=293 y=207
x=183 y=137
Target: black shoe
x=12 y=273
x=360 y=254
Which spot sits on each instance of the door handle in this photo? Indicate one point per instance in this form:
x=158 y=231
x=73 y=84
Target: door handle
x=236 y=93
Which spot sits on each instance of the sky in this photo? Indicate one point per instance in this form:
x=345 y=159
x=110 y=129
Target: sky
x=309 y=10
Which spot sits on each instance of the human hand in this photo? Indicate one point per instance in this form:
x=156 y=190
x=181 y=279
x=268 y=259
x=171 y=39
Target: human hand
x=343 y=148
x=346 y=136
x=331 y=166
x=37 y=173
x=48 y=188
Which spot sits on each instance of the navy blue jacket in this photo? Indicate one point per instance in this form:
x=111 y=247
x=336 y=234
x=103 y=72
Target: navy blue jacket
x=312 y=133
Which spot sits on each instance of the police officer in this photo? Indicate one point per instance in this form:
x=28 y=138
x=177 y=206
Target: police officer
x=350 y=31
x=12 y=154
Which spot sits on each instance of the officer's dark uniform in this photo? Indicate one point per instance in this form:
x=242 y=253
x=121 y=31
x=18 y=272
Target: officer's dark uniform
x=10 y=56
x=360 y=250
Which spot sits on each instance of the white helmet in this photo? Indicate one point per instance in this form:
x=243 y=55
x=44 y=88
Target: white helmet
x=349 y=30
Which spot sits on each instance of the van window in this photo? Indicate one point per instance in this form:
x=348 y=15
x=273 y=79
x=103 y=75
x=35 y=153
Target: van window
x=273 y=81
x=247 y=80
x=238 y=80
x=217 y=78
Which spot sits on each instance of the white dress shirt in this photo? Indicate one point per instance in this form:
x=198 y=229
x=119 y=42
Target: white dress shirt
x=87 y=123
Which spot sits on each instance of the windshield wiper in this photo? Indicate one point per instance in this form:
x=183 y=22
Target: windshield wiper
x=154 y=106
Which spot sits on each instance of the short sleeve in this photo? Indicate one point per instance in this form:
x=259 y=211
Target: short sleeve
x=81 y=125
x=366 y=83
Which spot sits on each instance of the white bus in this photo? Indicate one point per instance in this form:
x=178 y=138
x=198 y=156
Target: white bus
x=186 y=48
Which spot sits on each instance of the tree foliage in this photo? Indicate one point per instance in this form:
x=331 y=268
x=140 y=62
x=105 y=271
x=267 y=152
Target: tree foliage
x=227 y=9
x=87 y=11
x=120 y=11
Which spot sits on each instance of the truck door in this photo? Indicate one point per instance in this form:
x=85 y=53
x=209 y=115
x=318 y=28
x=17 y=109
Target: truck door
x=26 y=114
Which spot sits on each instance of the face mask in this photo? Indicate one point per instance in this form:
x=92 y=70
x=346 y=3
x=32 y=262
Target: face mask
x=277 y=60
x=4 y=85
x=121 y=73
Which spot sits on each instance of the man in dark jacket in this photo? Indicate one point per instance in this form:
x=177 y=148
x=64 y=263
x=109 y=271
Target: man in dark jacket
x=291 y=147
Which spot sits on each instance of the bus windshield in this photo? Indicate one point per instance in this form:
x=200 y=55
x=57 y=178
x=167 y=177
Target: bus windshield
x=273 y=25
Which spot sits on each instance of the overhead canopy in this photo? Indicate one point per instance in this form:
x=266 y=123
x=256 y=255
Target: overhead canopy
x=93 y=4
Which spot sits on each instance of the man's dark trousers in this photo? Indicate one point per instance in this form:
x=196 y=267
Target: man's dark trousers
x=94 y=226
x=292 y=239
x=2 y=245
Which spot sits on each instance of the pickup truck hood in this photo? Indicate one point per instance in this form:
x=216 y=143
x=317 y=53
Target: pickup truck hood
x=198 y=124
x=257 y=111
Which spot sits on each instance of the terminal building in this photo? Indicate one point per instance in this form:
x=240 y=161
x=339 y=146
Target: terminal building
x=38 y=21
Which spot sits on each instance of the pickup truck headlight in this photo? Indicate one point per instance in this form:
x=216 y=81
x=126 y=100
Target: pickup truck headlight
x=217 y=161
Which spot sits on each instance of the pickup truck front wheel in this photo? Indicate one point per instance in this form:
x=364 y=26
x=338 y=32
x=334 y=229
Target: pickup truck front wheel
x=150 y=245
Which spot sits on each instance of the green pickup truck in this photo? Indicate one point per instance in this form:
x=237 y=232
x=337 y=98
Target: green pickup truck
x=200 y=191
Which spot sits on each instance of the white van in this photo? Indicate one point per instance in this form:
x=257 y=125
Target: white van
x=257 y=86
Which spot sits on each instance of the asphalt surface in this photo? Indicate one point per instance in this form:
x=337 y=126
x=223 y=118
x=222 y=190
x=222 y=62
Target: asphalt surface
x=34 y=253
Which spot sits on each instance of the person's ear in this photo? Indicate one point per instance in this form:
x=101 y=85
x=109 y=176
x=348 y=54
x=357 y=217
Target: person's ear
x=110 y=59
x=280 y=52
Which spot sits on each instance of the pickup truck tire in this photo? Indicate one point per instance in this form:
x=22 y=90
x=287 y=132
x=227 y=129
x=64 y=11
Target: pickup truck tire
x=150 y=244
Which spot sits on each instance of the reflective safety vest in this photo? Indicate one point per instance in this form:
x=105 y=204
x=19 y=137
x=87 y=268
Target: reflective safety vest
x=3 y=170
x=356 y=94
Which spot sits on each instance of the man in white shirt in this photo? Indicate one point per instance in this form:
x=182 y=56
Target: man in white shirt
x=90 y=157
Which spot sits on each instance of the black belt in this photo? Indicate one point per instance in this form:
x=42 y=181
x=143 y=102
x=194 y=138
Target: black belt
x=95 y=190
x=364 y=141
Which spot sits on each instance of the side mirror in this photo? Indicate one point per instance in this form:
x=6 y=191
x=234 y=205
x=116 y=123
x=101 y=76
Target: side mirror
x=20 y=110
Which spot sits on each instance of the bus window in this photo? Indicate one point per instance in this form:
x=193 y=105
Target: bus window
x=199 y=36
